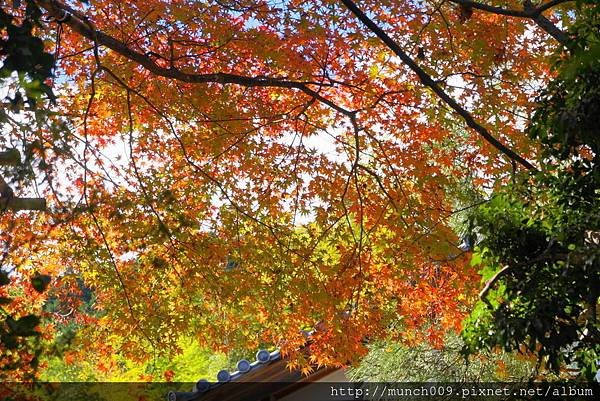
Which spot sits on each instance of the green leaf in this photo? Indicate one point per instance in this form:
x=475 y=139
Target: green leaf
x=476 y=259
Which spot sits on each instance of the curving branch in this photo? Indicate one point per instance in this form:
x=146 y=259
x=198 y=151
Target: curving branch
x=489 y=283
x=528 y=11
x=80 y=24
x=546 y=256
x=428 y=81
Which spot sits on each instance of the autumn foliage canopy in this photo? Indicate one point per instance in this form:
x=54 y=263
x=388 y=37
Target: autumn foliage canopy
x=238 y=171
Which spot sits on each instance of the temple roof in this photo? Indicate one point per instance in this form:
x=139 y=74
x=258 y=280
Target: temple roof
x=267 y=373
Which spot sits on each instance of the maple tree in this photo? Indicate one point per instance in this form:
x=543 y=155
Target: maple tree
x=237 y=170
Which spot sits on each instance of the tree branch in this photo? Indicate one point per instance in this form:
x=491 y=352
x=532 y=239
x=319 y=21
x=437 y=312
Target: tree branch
x=553 y=30
x=490 y=282
x=430 y=83
x=544 y=257
x=528 y=11
x=81 y=25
